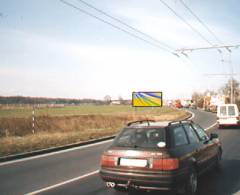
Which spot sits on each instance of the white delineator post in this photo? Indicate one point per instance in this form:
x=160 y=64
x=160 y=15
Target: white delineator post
x=33 y=120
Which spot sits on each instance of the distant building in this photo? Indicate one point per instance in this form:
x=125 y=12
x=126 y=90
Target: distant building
x=115 y=102
x=212 y=102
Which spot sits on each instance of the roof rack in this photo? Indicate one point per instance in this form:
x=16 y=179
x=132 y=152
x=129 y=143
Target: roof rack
x=180 y=122
x=140 y=122
x=149 y=121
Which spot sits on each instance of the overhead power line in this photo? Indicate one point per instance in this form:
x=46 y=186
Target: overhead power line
x=117 y=27
x=125 y=24
x=201 y=22
x=188 y=24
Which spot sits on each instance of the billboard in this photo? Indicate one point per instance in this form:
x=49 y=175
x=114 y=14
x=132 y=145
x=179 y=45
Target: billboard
x=147 y=99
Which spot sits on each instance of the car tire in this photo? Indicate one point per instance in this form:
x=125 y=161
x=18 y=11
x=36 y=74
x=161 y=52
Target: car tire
x=120 y=189
x=192 y=183
x=132 y=191
x=218 y=160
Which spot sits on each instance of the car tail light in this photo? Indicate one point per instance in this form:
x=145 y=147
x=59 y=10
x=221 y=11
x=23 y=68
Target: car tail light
x=165 y=164
x=108 y=161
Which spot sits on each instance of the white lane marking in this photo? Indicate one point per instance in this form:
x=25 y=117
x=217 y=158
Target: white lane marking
x=63 y=183
x=211 y=126
x=53 y=153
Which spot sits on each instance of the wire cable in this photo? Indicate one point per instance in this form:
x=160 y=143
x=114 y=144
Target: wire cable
x=125 y=24
x=117 y=27
x=201 y=22
x=188 y=24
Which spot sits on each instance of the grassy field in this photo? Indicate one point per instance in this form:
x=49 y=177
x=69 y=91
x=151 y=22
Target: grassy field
x=60 y=126
x=24 y=112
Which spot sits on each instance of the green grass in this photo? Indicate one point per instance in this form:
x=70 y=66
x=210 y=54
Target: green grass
x=24 y=112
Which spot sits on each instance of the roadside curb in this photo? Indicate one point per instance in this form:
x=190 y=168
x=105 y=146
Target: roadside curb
x=53 y=149
x=192 y=115
x=58 y=148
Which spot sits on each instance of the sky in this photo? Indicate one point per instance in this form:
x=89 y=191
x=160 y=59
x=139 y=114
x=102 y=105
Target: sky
x=48 y=49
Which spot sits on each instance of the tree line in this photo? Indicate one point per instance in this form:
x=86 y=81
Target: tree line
x=42 y=100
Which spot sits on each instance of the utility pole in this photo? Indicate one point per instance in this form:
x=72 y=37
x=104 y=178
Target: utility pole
x=232 y=90
x=231 y=79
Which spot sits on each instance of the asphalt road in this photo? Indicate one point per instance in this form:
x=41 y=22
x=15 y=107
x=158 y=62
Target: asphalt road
x=34 y=174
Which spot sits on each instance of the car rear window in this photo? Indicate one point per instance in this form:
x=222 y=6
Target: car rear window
x=231 y=111
x=140 y=138
x=180 y=137
x=193 y=138
x=223 y=110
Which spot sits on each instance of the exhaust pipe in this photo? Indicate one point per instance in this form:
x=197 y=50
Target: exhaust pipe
x=110 y=184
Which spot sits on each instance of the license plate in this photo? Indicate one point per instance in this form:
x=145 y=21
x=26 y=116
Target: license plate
x=133 y=162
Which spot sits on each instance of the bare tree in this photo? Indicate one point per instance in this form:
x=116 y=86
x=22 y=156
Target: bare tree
x=107 y=99
x=121 y=100
x=198 y=98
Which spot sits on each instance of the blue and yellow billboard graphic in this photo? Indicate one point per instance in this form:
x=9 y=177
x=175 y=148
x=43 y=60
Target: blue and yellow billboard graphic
x=147 y=99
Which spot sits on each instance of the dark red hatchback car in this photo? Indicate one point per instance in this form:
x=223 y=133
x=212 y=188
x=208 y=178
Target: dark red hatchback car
x=152 y=155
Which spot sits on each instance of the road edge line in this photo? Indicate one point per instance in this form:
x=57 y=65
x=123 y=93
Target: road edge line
x=35 y=156
x=192 y=114
x=63 y=183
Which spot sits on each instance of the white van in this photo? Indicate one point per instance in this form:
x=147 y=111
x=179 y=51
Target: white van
x=227 y=114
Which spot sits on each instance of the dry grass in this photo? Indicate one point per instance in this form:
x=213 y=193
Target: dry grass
x=14 y=144
x=16 y=135
x=26 y=111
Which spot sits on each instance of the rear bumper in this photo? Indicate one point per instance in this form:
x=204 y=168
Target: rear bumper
x=164 y=180
x=228 y=123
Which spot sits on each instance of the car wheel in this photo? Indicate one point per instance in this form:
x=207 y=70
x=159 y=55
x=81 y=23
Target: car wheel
x=132 y=191
x=192 y=183
x=120 y=189
x=219 y=159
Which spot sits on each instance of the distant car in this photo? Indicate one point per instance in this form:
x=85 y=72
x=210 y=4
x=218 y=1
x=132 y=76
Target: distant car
x=152 y=155
x=186 y=105
x=228 y=114
x=178 y=105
